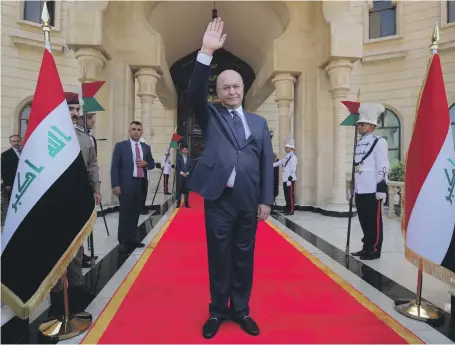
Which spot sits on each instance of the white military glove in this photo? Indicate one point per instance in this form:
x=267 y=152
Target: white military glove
x=381 y=196
x=288 y=183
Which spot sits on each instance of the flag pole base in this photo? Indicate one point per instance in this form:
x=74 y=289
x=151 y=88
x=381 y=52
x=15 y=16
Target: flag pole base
x=423 y=312
x=62 y=328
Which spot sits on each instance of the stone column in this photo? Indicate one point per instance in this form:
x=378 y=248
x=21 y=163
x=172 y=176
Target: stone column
x=147 y=78
x=284 y=96
x=339 y=70
x=91 y=61
x=284 y=86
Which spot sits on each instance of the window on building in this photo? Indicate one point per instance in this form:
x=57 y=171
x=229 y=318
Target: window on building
x=452 y=121
x=382 y=19
x=450 y=11
x=23 y=118
x=34 y=8
x=389 y=128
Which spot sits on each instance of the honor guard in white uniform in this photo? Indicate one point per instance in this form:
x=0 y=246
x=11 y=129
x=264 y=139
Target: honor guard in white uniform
x=371 y=166
x=167 y=167
x=289 y=164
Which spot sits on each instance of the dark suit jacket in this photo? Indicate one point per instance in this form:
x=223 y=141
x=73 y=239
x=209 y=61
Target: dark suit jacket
x=253 y=160
x=122 y=166
x=182 y=167
x=9 y=161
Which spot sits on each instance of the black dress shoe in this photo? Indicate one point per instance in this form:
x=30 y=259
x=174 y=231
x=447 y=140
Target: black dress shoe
x=370 y=256
x=137 y=245
x=248 y=325
x=211 y=327
x=359 y=253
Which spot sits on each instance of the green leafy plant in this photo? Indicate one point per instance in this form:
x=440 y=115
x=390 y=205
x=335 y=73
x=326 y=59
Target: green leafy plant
x=397 y=172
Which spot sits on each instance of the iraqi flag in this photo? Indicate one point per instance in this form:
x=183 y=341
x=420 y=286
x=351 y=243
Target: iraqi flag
x=429 y=194
x=52 y=208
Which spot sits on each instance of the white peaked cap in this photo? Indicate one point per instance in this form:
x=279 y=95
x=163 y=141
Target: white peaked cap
x=369 y=113
x=142 y=140
x=289 y=142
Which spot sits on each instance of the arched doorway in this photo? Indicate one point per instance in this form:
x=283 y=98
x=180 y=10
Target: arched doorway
x=181 y=72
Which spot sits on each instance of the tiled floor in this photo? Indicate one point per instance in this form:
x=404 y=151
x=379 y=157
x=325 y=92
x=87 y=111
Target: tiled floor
x=103 y=244
x=392 y=263
x=321 y=229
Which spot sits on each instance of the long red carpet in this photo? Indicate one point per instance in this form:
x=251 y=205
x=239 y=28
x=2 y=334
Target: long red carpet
x=295 y=299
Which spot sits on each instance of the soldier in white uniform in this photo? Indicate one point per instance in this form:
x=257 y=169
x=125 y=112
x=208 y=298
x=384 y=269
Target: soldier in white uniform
x=167 y=167
x=371 y=165
x=289 y=164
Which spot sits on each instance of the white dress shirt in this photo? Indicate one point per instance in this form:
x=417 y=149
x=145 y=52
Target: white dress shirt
x=18 y=153
x=206 y=60
x=133 y=148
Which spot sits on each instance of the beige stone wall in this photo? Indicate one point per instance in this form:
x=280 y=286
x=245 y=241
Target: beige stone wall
x=393 y=70
x=21 y=53
x=162 y=127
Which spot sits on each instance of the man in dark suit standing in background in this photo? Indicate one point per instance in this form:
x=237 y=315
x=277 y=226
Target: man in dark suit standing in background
x=183 y=169
x=235 y=177
x=9 y=161
x=130 y=161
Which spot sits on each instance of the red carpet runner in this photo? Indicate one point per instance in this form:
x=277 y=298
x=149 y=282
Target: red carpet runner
x=295 y=299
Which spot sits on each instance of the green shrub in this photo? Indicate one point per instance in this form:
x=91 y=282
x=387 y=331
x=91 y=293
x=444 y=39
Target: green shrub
x=397 y=172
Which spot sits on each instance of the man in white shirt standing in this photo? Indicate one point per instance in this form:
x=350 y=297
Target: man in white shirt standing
x=371 y=165
x=289 y=164
x=167 y=167
x=130 y=161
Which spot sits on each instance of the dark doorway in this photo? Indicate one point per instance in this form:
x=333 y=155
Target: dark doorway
x=181 y=72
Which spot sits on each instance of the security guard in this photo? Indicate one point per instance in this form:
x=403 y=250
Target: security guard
x=371 y=166
x=167 y=167
x=289 y=164
x=77 y=293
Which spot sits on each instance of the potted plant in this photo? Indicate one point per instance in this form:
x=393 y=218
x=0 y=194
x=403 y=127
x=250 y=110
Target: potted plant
x=396 y=174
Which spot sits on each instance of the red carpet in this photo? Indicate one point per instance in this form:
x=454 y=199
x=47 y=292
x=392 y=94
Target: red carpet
x=295 y=299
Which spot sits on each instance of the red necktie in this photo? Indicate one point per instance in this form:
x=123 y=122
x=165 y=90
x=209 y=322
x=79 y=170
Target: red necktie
x=140 y=171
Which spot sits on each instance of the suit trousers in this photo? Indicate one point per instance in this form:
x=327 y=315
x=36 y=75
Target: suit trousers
x=231 y=234
x=289 y=196
x=369 y=211
x=166 y=183
x=73 y=273
x=144 y=196
x=182 y=188
x=131 y=205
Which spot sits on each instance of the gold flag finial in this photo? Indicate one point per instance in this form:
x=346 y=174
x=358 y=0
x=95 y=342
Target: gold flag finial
x=435 y=39
x=45 y=18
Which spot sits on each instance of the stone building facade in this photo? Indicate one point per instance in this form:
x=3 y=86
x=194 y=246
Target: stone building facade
x=305 y=58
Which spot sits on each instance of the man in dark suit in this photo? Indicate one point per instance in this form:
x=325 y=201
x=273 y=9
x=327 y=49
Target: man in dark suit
x=130 y=161
x=235 y=177
x=183 y=169
x=9 y=161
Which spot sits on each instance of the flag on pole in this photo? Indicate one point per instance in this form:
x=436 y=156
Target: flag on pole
x=429 y=213
x=175 y=140
x=88 y=96
x=353 y=117
x=52 y=208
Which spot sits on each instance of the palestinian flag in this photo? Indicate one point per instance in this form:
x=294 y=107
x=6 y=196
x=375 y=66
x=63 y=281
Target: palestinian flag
x=175 y=140
x=353 y=117
x=52 y=208
x=429 y=194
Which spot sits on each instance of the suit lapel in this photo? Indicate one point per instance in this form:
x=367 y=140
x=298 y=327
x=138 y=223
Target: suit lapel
x=251 y=123
x=129 y=151
x=227 y=123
